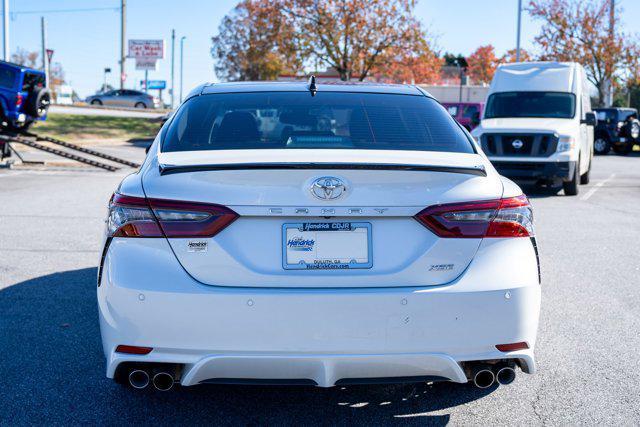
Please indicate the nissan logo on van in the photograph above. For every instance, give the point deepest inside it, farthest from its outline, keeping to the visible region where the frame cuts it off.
(517, 144)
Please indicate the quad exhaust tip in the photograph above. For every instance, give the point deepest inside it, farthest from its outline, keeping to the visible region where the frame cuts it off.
(163, 381)
(484, 378)
(138, 379)
(505, 375)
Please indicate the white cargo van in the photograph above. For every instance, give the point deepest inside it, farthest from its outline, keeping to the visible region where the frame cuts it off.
(538, 124)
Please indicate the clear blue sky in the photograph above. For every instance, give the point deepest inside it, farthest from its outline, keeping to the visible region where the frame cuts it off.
(85, 42)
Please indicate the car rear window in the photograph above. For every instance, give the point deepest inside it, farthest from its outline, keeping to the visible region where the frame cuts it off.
(328, 120)
(32, 81)
(605, 115)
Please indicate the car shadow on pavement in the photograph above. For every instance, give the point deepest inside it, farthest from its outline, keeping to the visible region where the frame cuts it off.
(52, 371)
(538, 192)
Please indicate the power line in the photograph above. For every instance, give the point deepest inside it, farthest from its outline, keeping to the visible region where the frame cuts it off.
(91, 9)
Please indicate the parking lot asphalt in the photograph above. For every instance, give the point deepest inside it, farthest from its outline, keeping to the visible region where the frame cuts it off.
(52, 367)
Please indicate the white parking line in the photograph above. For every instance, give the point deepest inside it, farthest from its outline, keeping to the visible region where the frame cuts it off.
(595, 188)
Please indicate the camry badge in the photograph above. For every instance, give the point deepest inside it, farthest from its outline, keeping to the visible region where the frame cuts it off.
(517, 144)
(328, 188)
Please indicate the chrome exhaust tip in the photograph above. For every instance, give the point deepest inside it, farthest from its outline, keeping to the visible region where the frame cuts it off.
(163, 381)
(138, 379)
(484, 378)
(506, 375)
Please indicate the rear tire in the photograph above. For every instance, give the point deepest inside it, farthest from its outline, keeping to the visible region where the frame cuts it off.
(634, 130)
(571, 187)
(140, 105)
(38, 102)
(601, 145)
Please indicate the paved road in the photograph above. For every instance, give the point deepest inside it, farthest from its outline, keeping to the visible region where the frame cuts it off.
(52, 368)
(114, 112)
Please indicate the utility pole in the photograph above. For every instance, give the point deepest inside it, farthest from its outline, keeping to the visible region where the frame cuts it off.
(518, 32)
(173, 48)
(45, 57)
(181, 63)
(5, 29)
(612, 23)
(123, 32)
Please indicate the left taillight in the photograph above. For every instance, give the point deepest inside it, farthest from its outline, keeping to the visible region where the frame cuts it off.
(509, 217)
(141, 217)
(19, 100)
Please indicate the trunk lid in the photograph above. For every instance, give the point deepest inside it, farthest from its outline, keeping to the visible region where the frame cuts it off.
(271, 190)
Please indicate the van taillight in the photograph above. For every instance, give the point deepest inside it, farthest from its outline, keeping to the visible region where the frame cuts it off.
(510, 217)
(141, 217)
(19, 100)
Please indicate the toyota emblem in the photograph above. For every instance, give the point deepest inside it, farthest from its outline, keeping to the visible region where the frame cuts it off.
(328, 188)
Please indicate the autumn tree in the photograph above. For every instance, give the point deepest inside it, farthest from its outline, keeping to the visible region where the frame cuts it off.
(420, 64)
(351, 36)
(23, 57)
(510, 56)
(32, 60)
(578, 30)
(482, 64)
(254, 43)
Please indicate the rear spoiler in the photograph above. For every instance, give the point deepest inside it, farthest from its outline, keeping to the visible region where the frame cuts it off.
(478, 170)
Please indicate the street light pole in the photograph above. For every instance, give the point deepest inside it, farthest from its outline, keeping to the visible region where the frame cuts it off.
(104, 85)
(173, 51)
(123, 31)
(5, 30)
(612, 32)
(45, 57)
(518, 32)
(181, 63)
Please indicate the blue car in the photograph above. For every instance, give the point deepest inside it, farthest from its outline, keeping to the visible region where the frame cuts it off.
(24, 97)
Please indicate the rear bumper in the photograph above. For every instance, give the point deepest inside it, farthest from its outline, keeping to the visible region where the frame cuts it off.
(321, 336)
(524, 171)
(16, 118)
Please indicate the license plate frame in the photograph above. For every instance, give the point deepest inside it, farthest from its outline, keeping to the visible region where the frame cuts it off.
(327, 227)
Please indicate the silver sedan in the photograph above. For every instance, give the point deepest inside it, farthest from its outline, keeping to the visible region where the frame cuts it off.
(124, 98)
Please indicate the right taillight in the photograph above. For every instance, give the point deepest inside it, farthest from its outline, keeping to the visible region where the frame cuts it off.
(141, 217)
(510, 217)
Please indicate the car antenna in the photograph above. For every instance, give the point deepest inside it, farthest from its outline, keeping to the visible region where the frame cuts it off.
(312, 85)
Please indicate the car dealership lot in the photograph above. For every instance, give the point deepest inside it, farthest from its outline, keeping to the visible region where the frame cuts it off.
(52, 367)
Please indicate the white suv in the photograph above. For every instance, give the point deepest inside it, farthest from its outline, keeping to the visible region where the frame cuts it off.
(538, 124)
(369, 241)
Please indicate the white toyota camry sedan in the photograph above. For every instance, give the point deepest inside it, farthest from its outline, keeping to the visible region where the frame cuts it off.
(329, 234)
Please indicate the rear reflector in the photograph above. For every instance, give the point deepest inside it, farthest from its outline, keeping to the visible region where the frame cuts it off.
(141, 217)
(132, 349)
(513, 346)
(511, 217)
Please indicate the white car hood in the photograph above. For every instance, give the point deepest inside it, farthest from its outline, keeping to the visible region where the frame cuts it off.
(559, 126)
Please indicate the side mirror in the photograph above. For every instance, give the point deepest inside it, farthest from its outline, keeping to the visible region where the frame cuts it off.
(475, 119)
(590, 119)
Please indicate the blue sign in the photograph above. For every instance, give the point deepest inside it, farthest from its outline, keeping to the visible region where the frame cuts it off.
(155, 84)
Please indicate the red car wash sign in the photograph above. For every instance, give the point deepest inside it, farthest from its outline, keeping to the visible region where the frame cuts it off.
(147, 49)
